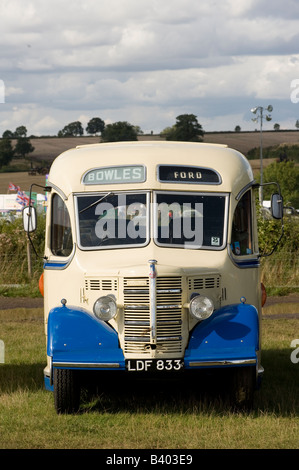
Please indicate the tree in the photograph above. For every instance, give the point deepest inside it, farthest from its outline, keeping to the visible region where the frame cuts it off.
(276, 127)
(6, 152)
(138, 130)
(286, 174)
(23, 146)
(20, 131)
(72, 129)
(95, 125)
(167, 132)
(186, 128)
(297, 124)
(119, 131)
(8, 134)
(237, 129)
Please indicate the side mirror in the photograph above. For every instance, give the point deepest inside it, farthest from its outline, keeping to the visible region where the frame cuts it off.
(29, 219)
(277, 206)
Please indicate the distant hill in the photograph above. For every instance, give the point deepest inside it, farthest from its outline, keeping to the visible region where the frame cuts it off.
(48, 148)
(245, 141)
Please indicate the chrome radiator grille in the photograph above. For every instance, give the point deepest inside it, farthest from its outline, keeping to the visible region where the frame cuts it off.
(137, 321)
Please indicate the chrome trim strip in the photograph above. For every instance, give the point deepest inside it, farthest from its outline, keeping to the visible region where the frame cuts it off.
(152, 276)
(135, 291)
(144, 339)
(138, 339)
(87, 365)
(147, 323)
(136, 307)
(169, 338)
(169, 291)
(58, 190)
(224, 362)
(245, 189)
(167, 307)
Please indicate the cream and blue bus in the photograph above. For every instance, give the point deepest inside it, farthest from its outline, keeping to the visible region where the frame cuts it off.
(151, 265)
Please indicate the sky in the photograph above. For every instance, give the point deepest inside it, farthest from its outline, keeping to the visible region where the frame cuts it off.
(147, 62)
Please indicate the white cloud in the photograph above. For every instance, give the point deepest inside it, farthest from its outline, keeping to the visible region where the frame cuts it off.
(146, 61)
(44, 125)
(2, 91)
(9, 91)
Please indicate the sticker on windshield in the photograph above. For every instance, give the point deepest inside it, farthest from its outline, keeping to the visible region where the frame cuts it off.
(215, 241)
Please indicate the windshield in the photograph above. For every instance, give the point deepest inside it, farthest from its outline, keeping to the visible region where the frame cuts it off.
(113, 220)
(190, 220)
(183, 220)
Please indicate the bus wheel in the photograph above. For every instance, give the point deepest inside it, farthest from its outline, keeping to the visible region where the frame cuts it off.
(243, 383)
(66, 391)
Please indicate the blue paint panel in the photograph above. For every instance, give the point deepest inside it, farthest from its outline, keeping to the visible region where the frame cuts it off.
(74, 335)
(48, 385)
(247, 263)
(55, 264)
(231, 333)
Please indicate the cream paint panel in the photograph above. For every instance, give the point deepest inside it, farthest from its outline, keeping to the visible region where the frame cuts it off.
(68, 283)
(233, 167)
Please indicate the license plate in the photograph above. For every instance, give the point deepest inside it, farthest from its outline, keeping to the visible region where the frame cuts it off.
(152, 365)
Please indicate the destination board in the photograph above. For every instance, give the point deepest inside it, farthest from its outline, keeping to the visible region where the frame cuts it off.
(115, 175)
(187, 174)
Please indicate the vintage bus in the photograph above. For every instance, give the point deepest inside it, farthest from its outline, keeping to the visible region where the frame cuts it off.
(151, 265)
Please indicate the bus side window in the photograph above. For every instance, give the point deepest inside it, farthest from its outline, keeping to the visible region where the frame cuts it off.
(241, 241)
(61, 232)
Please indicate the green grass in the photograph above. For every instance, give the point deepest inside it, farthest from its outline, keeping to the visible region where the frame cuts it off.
(144, 416)
(280, 273)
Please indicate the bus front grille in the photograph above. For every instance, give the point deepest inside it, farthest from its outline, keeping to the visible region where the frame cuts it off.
(138, 323)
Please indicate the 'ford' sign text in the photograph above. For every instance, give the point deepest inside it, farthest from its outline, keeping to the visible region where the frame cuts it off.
(187, 174)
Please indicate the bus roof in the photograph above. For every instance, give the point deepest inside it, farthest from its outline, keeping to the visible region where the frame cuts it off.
(69, 169)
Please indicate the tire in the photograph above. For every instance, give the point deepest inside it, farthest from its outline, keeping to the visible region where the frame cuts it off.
(243, 384)
(66, 391)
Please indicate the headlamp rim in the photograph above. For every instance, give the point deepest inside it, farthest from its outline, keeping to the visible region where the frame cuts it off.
(210, 310)
(112, 301)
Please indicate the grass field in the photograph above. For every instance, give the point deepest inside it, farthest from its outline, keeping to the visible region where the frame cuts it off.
(21, 179)
(143, 416)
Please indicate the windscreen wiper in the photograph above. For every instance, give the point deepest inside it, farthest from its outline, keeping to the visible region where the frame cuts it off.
(96, 202)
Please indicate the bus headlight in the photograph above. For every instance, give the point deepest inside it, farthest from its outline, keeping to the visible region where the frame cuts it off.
(105, 308)
(201, 307)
